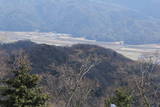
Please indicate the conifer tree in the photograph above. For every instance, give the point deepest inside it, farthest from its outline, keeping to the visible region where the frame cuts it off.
(122, 98)
(22, 89)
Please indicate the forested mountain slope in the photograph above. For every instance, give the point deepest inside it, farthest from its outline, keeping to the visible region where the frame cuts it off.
(99, 71)
(58, 64)
(105, 20)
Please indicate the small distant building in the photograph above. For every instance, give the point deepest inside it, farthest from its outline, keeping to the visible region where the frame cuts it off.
(119, 43)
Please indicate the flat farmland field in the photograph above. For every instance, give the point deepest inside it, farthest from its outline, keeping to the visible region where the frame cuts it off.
(130, 51)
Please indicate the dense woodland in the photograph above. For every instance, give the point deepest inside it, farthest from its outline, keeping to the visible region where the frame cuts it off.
(86, 75)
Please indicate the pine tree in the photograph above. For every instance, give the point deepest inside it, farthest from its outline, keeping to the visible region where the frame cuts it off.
(22, 90)
(122, 98)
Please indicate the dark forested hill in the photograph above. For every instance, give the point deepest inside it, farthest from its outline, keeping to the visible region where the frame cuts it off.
(108, 72)
(105, 20)
(42, 56)
(99, 71)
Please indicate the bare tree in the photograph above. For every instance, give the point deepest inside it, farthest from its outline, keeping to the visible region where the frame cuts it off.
(4, 67)
(71, 83)
(148, 90)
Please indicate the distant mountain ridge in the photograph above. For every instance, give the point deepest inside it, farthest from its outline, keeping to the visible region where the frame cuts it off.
(104, 20)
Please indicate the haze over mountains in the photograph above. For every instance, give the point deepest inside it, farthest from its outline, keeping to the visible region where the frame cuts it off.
(104, 20)
(148, 7)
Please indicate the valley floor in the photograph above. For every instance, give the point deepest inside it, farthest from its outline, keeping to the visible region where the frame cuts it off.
(130, 51)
